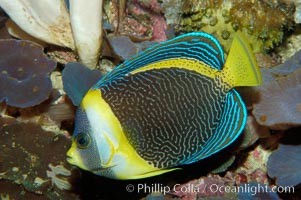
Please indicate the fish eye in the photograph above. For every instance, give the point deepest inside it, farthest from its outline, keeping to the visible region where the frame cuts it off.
(83, 140)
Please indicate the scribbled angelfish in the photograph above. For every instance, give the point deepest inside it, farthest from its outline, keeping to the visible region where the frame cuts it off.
(173, 104)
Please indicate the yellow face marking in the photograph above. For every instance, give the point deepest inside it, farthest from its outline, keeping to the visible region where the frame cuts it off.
(109, 163)
(124, 161)
(93, 100)
(74, 158)
(108, 128)
(183, 63)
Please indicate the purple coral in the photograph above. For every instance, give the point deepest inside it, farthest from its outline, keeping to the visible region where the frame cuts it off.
(123, 46)
(24, 73)
(284, 165)
(279, 106)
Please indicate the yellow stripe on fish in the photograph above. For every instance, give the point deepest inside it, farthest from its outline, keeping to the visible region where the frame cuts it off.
(235, 72)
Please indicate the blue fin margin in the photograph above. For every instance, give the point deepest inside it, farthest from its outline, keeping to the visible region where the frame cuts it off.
(231, 125)
(197, 45)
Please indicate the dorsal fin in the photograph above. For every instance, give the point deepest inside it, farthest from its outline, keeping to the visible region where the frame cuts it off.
(231, 125)
(198, 46)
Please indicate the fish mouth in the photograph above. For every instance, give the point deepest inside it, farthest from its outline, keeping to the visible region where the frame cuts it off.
(70, 160)
(70, 157)
(97, 170)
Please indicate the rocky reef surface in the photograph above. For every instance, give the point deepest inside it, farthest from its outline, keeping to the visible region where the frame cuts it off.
(37, 117)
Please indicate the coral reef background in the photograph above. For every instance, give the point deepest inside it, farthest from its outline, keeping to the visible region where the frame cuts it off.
(37, 117)
(256, 19)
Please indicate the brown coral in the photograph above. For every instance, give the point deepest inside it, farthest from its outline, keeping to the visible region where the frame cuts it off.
(26, 154)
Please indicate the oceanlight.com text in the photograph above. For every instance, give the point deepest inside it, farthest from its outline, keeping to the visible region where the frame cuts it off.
(205, 188)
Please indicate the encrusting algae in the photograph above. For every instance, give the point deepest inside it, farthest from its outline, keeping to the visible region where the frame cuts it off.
(256, 19)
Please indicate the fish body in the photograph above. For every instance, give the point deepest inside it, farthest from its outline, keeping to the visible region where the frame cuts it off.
(171, 105)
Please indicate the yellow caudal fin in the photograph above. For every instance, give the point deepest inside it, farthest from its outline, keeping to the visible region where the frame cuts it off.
(241, 68)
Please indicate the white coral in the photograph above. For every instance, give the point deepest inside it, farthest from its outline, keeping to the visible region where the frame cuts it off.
(49, 21)
(59, 182)
(298, 11)
(87, 29)
(297, 14)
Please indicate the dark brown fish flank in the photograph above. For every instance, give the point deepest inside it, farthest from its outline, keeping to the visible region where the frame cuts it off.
(161, 110)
